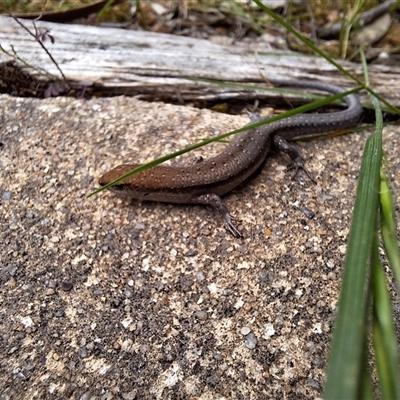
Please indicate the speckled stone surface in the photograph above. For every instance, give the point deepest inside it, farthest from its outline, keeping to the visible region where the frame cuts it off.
(107, 298)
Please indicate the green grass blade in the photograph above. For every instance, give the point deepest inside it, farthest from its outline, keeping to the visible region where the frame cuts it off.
(388, 227)
(347, 23)
(345, 365)
(384, 336)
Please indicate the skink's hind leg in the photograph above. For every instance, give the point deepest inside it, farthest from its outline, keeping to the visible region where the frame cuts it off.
(294, 153)
(216, 201)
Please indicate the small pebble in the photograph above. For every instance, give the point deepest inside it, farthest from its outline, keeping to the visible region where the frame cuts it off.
(308, 213)
(82, 352)
(251, 341)
(21, 376)
(201, 315)
(217, 357)
(200, 276)
(212, 379)
(245, 330)
(59, 314)
(66, 286)
(6, 196)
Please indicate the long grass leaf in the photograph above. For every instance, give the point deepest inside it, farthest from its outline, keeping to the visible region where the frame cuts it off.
(388, 227)
(384, 336)
(345, 365)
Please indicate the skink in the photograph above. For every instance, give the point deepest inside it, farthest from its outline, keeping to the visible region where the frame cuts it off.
(204, 182)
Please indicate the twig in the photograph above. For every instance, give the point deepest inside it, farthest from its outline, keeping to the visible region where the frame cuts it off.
(37, 37)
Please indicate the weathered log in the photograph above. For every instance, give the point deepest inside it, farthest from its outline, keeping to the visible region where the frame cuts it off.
(153, 65)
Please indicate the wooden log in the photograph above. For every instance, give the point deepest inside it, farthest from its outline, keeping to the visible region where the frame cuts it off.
(152, 66)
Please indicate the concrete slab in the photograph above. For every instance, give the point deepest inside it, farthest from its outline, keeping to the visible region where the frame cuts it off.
(107, 298)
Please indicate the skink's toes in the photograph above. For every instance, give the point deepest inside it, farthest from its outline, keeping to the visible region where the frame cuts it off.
(216, 201)
(298, 165)
(232, 229)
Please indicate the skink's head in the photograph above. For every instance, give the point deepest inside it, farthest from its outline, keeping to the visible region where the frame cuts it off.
(116, 173)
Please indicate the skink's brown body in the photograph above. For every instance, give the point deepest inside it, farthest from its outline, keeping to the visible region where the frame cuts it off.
(206, 181)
